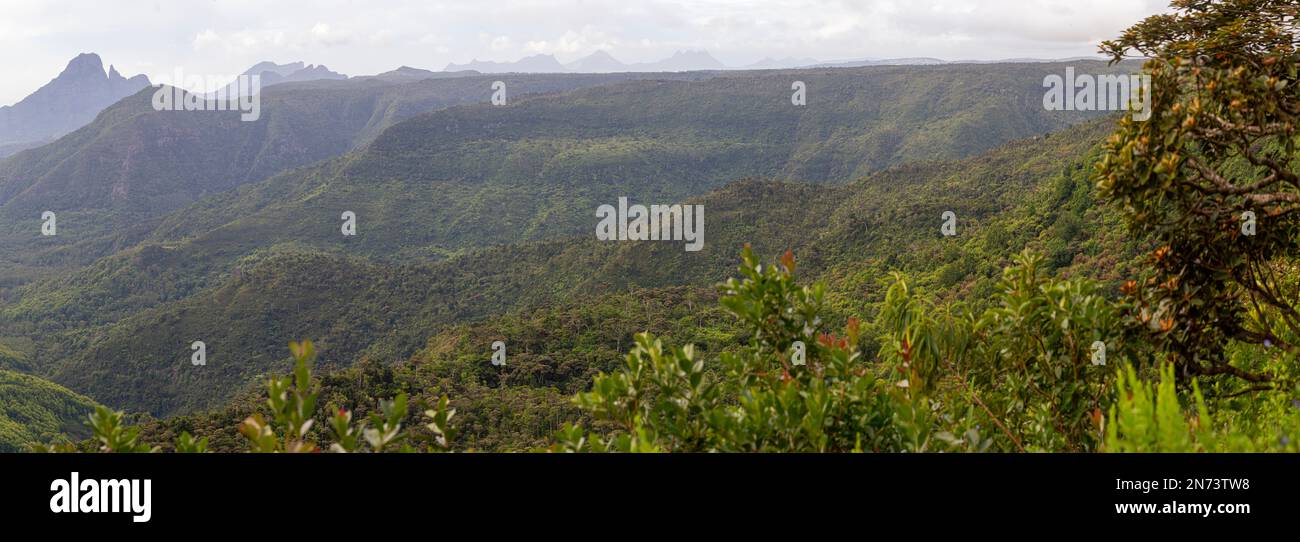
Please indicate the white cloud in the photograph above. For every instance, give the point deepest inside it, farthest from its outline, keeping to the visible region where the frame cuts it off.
(500, 43)
(587, 40)
(239, 41)
(324, 34)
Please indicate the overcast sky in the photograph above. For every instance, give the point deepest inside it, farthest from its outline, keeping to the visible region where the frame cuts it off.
(220, 37)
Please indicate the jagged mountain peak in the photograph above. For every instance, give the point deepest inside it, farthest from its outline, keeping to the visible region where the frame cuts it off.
(67, 102)
(84, 64)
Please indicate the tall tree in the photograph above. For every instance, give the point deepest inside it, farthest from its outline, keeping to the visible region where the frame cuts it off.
(1211, 176)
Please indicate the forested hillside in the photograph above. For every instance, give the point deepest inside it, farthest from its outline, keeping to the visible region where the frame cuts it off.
(420, 196)
(929, 260)
(33, 411)
(111, 181)
(142, 307)
(1023, 194)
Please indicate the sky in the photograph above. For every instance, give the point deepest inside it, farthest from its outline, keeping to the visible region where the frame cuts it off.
(219, 38)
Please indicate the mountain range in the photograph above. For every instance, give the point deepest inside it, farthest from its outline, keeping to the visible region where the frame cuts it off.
(83, 89)
(602, 61)
(466, 209)
(270, 73)
(474, 221)
(598, 62)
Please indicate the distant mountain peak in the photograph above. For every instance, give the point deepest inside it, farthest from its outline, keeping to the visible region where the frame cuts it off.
(682, 61)
(84, 64)
(770, 63)
(598, 62)
(600, 53)
(405, 74)
(67, 102)
(271, 73)
(282, 70)
(538, 63)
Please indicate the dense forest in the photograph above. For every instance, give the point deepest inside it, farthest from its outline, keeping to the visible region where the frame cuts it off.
(1111, 284)
(245, 269)
(34, 410)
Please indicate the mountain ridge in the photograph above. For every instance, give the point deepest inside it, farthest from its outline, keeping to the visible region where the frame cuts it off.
(393, 309)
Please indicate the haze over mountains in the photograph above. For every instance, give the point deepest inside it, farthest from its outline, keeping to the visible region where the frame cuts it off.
(135, 164)
(83, 89)
(602, 61)
(270, 74)
(597, 62)
(66, 103)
